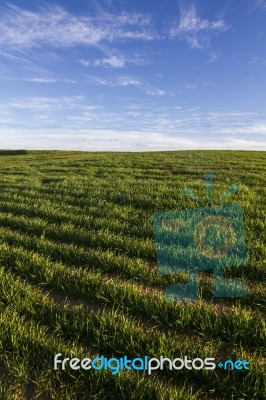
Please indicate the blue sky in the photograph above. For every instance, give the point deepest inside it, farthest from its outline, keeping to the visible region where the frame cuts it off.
(133, 75)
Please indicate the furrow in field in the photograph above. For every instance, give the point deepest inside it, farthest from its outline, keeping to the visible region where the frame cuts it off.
(111, 332)
(33, 350)
(105, 240)
(237, 324)
(122, 266)
(135, 269)
(69, 233)
(119, 219)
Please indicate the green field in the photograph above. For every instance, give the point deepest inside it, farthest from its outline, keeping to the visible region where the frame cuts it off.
(78, 275)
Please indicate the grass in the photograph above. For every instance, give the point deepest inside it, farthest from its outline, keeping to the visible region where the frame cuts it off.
(78, 275)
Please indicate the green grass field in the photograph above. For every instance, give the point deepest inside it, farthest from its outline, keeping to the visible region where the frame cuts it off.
(78, 275)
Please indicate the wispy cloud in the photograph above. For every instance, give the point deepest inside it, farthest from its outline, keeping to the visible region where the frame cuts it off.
(6, 117)
(125, 80)
(144, 117)
(191, 85)
(115, 60)
(198, 84)
(113, 140)
(76, 123)
(53, 104)
(13, 57)
(258, 127)
(259, 4)
(196, 31)
(258, 60)
(41, 80)
(21, 29)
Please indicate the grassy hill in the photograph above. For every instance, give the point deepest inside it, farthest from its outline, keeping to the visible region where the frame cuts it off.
(78, 275)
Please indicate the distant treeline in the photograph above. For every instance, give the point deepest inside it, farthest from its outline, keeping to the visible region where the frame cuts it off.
(12, 152)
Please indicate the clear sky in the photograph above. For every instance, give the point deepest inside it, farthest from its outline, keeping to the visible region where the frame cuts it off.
(133, 74)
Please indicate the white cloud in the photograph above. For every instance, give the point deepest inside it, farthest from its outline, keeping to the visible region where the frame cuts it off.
(128, 81)
(196, 31)
(125, 80)
(14, 57)
(115, 60)
(99, 81)
(41, 80)
(21, 29)
(213, 57)
(53, 104)
(112, 61)
(5, 117)
(259, 4)
(113, 140)
(175, 124)
(190, 85)
(258, 127)
(258, 60)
